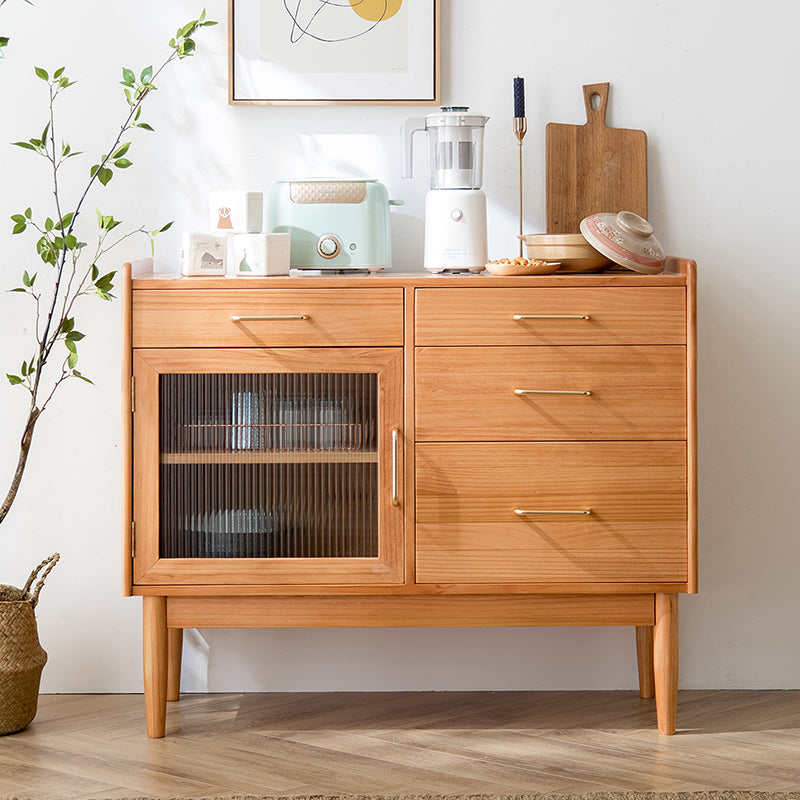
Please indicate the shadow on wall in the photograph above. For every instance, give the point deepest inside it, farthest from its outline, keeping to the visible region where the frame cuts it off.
(748, 440)
(407, 242)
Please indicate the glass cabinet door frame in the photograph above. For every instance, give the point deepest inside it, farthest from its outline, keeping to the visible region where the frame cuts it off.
(150, 569)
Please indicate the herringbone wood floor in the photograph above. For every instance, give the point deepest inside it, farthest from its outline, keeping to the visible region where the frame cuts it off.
(83, 746)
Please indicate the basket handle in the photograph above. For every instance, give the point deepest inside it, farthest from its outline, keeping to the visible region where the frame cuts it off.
(48, 564)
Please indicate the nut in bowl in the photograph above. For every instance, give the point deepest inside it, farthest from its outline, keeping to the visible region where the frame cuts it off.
(522, 266)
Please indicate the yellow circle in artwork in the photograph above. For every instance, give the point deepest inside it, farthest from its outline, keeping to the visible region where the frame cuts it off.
(376, 10)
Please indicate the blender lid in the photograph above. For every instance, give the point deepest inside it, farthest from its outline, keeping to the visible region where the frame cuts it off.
(450, 116)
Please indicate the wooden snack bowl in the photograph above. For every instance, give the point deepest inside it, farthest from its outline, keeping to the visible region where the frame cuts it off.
(514, 267)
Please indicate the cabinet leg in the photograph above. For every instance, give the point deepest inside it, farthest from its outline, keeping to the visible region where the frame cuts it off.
(644, 659)
(154, 629)
(174, 653)
(665, 661)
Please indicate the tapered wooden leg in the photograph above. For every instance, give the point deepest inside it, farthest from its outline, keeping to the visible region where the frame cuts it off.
(174, 653)
(154, 628)
(665, 661)
(644, 658)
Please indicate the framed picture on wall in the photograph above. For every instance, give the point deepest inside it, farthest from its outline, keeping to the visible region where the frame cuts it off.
(319, 52)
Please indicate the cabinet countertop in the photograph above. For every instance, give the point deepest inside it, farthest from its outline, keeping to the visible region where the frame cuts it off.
(672, 276)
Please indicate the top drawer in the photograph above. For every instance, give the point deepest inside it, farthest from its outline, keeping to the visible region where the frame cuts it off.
(267, 317)
(570, 315)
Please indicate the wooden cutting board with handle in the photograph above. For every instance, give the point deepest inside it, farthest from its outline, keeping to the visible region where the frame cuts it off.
(593, 168)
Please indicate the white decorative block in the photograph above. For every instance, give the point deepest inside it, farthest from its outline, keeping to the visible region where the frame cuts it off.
(236, 212)
(261, 253)
(204, 254)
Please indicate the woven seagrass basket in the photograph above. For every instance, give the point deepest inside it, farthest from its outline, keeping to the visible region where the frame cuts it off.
(21, 656)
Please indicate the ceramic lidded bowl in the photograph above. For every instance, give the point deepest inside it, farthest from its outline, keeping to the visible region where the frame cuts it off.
(627, 239)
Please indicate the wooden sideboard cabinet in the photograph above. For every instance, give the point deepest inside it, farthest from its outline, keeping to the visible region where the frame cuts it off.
(410, 450)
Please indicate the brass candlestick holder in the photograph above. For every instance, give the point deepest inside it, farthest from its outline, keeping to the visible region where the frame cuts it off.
(520, 129)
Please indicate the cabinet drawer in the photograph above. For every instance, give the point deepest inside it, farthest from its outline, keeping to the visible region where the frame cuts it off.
(503, 393)
(328, 317)
(592, 315)
(468, 531)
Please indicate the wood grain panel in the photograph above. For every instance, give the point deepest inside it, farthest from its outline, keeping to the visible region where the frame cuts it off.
(617, 315)
(146, 458)
(285, 359)
(214, 590)
(126, 429)
(674, 274)
(690, 269)
(202, 318)
(468, 393)
(279, 571)
(467, 529)
(402, 612)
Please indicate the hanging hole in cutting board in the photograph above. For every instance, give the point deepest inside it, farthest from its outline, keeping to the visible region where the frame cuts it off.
(595, 101)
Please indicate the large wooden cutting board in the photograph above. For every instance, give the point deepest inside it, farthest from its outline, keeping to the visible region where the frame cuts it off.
(593, 168)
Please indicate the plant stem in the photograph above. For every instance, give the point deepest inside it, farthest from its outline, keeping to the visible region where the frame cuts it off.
(53, 314)
(46, 346)
(24, 450)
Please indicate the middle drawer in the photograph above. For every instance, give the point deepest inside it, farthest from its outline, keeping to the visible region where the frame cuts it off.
(550, 393)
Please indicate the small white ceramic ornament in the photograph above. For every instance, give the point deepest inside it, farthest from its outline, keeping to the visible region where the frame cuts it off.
(261, 253)
(236, 212)
(204, 254)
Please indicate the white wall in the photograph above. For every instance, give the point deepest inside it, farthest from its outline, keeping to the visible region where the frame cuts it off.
(710, 83)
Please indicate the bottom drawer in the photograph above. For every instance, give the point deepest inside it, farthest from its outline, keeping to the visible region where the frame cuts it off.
(603, 512)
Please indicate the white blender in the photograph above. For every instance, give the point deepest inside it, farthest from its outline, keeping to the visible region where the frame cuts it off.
(455, 206)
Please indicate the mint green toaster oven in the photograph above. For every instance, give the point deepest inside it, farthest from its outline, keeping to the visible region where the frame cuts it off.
(333, 224)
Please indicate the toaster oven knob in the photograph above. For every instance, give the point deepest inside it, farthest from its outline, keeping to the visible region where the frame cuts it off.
(329, 246)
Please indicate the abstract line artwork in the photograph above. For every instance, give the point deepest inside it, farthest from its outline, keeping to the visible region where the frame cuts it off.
(308, 18)
(333, 51)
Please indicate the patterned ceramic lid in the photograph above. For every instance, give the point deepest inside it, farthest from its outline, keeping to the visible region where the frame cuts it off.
(627, 239)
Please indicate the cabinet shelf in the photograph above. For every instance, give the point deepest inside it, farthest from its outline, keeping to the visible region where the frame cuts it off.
(275, 457)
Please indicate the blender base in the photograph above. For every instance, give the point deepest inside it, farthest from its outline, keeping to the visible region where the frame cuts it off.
(455, 230)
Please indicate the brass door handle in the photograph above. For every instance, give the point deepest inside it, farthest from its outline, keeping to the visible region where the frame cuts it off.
(267, 317)
(549, 391)
(519, 317)
(524, 512)
(395, 467)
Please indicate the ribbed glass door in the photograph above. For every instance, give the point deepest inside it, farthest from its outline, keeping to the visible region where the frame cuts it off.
(259, 466)
(275, 465)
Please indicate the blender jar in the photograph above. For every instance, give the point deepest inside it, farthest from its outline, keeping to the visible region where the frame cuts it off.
(455, 149)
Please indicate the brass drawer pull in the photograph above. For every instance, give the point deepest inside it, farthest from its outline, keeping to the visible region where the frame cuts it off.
(548, 391)
(519, 317)
(268, 318)
(395, 448)
(523, 512)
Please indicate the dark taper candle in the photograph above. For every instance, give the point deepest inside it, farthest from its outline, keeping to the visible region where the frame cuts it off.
(519, 97)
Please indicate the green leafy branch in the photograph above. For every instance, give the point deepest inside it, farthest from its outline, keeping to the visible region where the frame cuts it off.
(58, 247)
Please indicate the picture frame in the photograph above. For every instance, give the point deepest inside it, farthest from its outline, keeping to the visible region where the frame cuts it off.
(315, 52)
